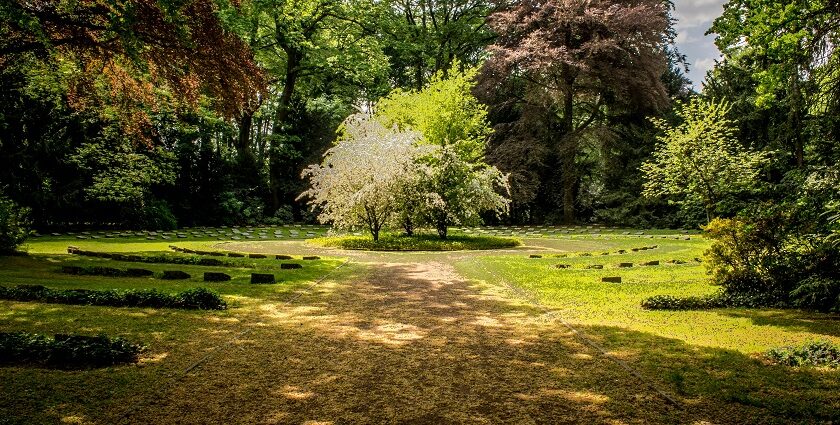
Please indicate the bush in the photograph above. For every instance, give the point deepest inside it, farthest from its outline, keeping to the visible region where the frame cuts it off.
(759, 264)
(66, 351)
(816, 353)
(157, 215)
(199, 298)
(817, 293)
(14, 225)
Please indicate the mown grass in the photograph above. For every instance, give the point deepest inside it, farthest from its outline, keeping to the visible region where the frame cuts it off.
(707, 358)
(420, 242)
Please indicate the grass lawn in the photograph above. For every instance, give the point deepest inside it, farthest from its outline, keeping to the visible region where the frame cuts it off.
(175, 339)
(396, 336)
(706, 358)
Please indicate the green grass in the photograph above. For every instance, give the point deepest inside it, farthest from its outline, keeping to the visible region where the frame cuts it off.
(703, 356)
(420, 242)
(175, 338)
(711, 361)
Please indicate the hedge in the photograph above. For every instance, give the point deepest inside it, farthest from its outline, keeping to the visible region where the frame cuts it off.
(191, 299)
(66, 351)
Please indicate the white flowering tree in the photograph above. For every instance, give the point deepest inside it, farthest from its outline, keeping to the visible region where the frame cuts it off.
(457, 191)
(356, 183)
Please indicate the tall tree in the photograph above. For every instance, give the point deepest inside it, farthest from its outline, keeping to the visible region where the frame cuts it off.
(573, 61)
(113, 56)
(426, 36)
(788, 53)
(309, 48)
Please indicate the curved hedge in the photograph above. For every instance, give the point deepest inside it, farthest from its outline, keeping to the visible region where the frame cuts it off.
(191, 299)
(390, 242)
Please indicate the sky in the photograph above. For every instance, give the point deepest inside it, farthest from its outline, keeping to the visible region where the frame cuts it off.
(694, 17)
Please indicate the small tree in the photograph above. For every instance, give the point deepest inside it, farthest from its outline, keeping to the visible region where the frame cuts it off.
(456, 191)
(14, 225)
(455, 185)
(357, 181)
(700, 158)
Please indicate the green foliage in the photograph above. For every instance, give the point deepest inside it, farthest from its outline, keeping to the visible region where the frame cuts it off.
(393, 242)
(192, 299)
(122, 173)
(66, 351)
(157, 214)
(758, 262)
(444, 112)
(14, 225)
(699, 160)
(814, 353)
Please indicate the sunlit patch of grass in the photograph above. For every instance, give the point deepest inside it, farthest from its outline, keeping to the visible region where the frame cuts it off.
(708, 358)
(422, 242)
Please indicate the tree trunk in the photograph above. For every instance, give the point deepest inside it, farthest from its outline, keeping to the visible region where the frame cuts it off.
(568, 152)
(442, 229)
(248, 164)
(568, 196)
(280, 116)
(408, 226)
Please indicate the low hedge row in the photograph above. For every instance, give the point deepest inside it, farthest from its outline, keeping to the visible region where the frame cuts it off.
(105, 271)
(66, 351)
(670, 302)
(193, 260)
(191, 299)
(721, 299)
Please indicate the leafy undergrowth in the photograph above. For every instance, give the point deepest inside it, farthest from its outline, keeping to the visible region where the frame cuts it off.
(814, 353)
(392, 242)
(66, 351)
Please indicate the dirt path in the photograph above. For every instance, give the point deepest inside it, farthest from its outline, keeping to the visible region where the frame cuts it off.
(407, 343)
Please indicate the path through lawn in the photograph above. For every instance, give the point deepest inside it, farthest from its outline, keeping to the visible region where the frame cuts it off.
(406, 343)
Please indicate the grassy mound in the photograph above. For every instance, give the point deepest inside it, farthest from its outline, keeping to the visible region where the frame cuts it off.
(391, 242)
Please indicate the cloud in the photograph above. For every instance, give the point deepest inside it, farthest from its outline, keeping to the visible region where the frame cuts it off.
(694, 18)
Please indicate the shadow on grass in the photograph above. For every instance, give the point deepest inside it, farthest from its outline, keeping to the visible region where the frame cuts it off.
(416, 344)
(796, 320)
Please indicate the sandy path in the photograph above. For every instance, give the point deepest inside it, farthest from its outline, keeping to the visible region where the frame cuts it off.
(407, 343)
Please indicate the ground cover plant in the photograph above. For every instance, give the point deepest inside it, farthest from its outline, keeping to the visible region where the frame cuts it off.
(66, 351)
(815, 353)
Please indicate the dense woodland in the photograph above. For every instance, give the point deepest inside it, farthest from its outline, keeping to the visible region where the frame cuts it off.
(164, 113)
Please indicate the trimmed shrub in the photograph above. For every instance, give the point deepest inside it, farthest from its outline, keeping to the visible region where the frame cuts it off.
(175, 275)
(216, 277)
(262, 278)
(132, 298)
(200, 299)
(14, 225)
(282, 257)
(816, 353)
(289, 266)
(66, 351)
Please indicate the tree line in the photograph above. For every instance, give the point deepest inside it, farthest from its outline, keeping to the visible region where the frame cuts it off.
(163, 113)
